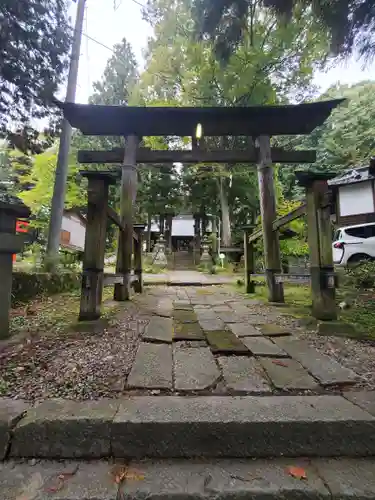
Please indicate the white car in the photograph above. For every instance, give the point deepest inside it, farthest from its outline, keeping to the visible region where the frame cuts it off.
(353, 244)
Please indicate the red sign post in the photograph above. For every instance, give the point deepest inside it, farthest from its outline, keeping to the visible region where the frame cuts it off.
(21, 227)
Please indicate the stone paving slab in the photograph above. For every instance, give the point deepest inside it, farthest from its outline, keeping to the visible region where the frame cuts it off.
(11, 411)
(204, 314)
(183, 344)
(237, 479)
(257, 319)
(152, 367)
(164, 306)
(324, 368)
(221, 479)
(222, 308)
(271, 330)
(288, 374)
(225, 342)
(262, 346)
(348, 478)
(158, 330)
(244, 375)
(182, 305)
(59, 428)
(240, 308)
(83, 480)
(209, 325)
(194, 369)
(253, 426)
(364, 399)
(188, 331)
(231, 317)
(184, 316)
(244, 330)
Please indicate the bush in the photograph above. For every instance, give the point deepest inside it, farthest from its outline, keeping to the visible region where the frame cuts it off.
(28, 286)
(363, 275)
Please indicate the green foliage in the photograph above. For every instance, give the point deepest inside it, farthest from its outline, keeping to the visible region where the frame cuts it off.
(34, 44)
(345, 140)
(41, 178)
(296, 246)
(362, 276)
(119, 77)
(350, 23)
(28, 286)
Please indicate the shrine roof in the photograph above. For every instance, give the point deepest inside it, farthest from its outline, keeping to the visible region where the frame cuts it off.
(92, 119)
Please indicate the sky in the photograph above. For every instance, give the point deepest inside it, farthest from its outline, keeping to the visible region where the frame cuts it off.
(108, 21)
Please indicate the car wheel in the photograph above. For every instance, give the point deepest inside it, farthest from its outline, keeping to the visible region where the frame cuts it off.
(358, 259)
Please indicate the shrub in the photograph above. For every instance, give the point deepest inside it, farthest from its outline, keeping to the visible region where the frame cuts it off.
(363, 275)
(28, 286)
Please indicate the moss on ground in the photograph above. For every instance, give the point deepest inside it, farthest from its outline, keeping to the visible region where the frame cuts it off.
(224, 341)
(187, 331)
(54, 315)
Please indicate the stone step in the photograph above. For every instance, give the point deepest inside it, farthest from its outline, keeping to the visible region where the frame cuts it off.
(181, 427)
(350, 479)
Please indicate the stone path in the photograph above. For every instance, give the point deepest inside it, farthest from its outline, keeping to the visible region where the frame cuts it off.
(213, 340)
(187, 277)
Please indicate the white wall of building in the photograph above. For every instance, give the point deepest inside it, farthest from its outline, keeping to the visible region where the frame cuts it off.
(74, 225)
(356, 199)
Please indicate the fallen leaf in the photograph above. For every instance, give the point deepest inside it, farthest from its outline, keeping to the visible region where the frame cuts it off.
(61, 478)
(125, 473)
(54, 489)
(297, 472)
(279, 363)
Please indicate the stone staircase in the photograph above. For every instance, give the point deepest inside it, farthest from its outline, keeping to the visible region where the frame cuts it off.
(195, 448)
(181, 260)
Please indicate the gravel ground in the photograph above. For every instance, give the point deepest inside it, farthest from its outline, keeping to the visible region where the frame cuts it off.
(76, 366)
(358, 355)
(355, 354)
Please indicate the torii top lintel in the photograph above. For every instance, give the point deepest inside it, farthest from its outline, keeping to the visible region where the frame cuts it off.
(92, 119)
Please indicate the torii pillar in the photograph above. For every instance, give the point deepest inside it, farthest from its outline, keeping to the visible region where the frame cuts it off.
(125, 240)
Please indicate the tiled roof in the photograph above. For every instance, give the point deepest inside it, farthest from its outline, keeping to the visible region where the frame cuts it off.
(352, 176)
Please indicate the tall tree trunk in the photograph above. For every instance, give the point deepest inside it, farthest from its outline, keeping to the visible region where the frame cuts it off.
(169, 221)
(204, 223)
(214, 236)
(162, 221)
(197, 231)
(226, 233)
(148, 237)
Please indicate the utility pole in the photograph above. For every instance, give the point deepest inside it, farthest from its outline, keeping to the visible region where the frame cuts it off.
(59, 190)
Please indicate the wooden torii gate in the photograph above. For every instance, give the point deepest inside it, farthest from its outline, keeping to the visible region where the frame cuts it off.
(258, 122)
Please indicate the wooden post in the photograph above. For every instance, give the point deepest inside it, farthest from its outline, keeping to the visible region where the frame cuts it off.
(95, 238)
(138, 249)
(249, 258)
(267, 199)
(319, 234)
(320, 243)
(10, 243)
(125, 240)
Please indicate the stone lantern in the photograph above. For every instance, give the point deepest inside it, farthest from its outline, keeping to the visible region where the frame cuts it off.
(11, 209)
(159, 258)
(205, 257)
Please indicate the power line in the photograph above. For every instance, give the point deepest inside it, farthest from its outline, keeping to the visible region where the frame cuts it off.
(139, 3)
(97, 41)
